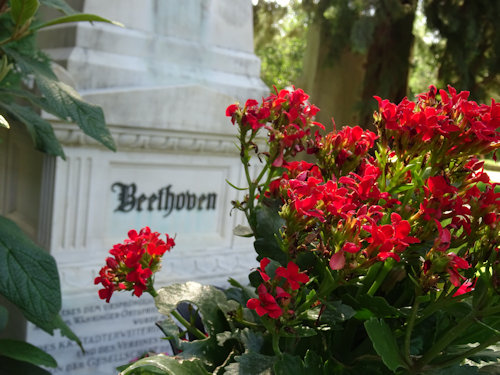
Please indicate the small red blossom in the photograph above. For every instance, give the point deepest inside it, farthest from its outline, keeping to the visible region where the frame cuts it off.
(265, 304)
(292, 275)
(262, 269)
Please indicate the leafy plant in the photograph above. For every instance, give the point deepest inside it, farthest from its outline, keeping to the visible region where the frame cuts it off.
(379, 257)
(28, 274)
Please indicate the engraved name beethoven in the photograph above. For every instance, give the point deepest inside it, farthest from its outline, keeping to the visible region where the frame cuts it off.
(163, 200)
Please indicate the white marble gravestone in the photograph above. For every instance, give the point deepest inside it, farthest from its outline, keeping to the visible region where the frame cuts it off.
(163, 82)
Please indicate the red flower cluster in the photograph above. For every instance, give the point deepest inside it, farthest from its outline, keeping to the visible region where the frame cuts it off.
(340, 152)
(452, 124)
(354, 206)
(274, 300)
(286, 116)
(133, 263)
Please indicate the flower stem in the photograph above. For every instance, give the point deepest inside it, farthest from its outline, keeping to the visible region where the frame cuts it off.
(195, 331)
(410, 325)
(445, 340)
(388, 264)
(276, 344)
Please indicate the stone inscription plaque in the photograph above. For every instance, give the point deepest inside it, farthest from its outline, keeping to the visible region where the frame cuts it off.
(112, 334)
(191, 202)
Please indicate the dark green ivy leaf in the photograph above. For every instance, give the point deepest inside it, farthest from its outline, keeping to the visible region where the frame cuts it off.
(62, 100)
(25, 352)
(28, 275)
(11, 366)
(40, 130)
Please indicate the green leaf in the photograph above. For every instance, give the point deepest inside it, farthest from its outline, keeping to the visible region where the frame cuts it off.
(4, 317)
(299, 331)
(290, 364)
(251, 340)
(384, 343)
(4, 123)
(28, 275)
(458, 370)
(250, 363)
(205, 297)
(377, 305)
(31, 64)
(336, 312)
(58, 323)
(41, 131)
(162, 364)
(63, 101)
(242, 231)
(268, 226)
(59, 5)
(13, 367)
(79, 17)
(22, 11)
(23, 351)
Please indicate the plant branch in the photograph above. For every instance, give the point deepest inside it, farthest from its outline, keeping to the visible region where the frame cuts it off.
(195, 331)
(410, 325)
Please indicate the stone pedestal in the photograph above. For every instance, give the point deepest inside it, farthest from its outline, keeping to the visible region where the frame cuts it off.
(163, 82)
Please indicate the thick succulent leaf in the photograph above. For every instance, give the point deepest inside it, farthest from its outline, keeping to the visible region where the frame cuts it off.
(251, 340)
(384, 343)
(251, 363)
(205, 297)
(162, 364)
(28, 275)
(268, 226)
(336, 312)
(378, 306)
(41, 131)
(23, 351)
(22, 11)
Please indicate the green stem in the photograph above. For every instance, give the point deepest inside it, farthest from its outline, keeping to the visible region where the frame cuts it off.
(410, 325)
(195, 331)
(276, 344)
(445, 340)
(460, 357)
(381, 277)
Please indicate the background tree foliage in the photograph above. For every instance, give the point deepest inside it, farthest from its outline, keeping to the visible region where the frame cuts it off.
(342, 52)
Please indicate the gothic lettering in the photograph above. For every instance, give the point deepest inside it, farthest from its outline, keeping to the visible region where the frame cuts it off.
(165, 199)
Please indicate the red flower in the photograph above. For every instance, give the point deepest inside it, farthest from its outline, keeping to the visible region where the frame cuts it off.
(292, 275)
(133, 263)
(265, 304)
(466, 287)
(262, 269)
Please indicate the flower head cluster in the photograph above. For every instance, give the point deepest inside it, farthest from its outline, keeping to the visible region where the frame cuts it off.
(452, 124)
(287, 117)
(339, 152)
(344, 217)
(276, 294)
(133, 263)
